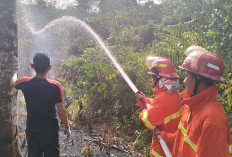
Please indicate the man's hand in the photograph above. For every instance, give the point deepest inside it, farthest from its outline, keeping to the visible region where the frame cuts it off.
(68, 132)
(157, 132)
(139, 96)
(142, 98)
(15, 68)
(15, 64)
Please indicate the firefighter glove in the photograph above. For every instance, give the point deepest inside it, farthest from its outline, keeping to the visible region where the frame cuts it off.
(141, 100)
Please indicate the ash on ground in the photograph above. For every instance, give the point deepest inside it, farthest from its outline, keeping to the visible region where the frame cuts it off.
(82, 143)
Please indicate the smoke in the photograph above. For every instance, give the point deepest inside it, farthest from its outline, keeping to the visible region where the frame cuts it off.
(63, 4)
(50, 41)
(59, 4)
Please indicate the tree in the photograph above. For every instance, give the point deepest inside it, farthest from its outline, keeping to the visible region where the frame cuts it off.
(8, 44)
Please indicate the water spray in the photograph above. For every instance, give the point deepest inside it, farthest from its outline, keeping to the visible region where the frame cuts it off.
(97, 37)
(124, 75)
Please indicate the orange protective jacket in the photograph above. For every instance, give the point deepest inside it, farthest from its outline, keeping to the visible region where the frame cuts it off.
(164, 111)
(203, 130)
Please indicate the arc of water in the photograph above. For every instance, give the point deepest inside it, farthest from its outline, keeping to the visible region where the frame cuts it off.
(96, 37)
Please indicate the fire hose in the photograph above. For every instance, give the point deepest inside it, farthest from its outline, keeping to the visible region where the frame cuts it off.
(126, 78)
(135, 90)
(161, 140)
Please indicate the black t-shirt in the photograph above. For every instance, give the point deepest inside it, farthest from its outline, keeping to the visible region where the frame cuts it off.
(41, 95)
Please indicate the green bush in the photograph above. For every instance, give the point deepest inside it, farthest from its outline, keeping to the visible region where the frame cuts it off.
(92, 79)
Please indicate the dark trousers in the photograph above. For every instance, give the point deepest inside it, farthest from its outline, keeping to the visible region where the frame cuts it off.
(43, 143)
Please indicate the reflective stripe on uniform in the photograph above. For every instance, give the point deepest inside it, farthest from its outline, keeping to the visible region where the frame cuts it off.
(230, 148)
(186, 138)
(154, 153)
(171, 117)
(146, 121)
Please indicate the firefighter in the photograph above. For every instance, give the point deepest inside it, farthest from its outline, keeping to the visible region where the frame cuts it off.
(203, 130)
(163, 111)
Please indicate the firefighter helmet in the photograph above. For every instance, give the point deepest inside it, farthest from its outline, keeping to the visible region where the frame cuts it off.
(194, 48)
(163, 67)
(206, 64)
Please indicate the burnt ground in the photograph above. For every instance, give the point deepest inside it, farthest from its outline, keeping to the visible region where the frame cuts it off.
(84, 142)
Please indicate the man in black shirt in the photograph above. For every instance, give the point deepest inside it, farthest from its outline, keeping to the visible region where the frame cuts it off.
(43, 101)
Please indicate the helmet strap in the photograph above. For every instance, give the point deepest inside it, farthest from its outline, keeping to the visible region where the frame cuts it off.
(197, 82)
(156, 79)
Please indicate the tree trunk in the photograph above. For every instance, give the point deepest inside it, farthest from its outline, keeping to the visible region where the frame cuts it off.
(8, 105)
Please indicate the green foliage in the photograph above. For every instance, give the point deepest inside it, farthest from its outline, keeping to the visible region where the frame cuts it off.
(132, 33)
(226, 97)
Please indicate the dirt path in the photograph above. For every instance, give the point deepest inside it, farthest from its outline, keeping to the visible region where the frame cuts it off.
(83, 142)
(80, 140)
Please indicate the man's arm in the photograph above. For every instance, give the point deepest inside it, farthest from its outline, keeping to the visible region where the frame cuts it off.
(15, 68)
(13, 79)
(62, 114)
(63, 117)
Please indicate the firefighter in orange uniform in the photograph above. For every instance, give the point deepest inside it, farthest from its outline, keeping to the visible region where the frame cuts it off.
(203, 130)
(164, 110)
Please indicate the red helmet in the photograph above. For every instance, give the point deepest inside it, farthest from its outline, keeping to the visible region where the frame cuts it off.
(206, 64)
(163, 67)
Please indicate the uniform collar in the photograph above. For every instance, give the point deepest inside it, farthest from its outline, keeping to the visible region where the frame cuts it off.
(157, 90)
(206, 95)
(38, 78)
